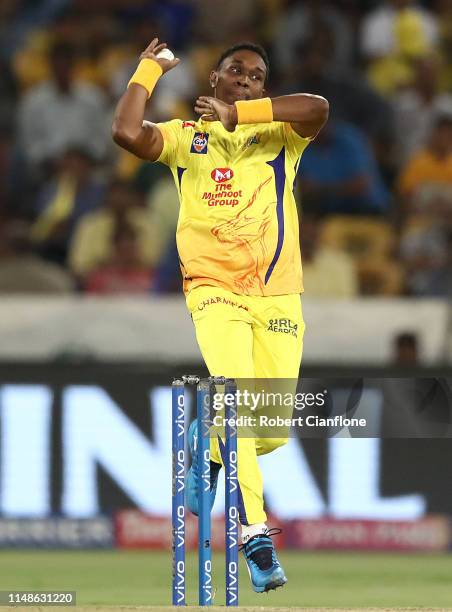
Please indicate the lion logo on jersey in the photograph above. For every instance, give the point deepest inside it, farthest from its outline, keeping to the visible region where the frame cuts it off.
(247, 232)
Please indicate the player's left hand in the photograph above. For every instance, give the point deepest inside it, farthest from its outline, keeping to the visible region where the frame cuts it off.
(212, 109)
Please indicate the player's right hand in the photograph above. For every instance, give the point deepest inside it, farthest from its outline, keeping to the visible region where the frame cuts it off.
(151, 53)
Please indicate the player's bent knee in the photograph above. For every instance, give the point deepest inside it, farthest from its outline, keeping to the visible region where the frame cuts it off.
(267, 445)
(277, 442)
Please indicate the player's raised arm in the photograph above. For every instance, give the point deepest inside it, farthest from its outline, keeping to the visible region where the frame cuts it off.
(307, 113)
(142, 139)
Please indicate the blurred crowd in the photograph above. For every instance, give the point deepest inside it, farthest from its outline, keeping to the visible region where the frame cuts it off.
(374, 189)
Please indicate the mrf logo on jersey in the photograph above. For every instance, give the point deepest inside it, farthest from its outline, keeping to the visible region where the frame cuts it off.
(199, 143)
(221, 175)
(223, 194)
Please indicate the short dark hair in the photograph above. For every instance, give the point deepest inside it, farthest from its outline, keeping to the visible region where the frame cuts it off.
(247, 46)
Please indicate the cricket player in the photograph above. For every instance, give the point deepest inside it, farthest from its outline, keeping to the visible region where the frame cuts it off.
(238, 242)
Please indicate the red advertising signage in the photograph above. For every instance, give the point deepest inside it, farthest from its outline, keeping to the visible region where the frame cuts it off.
(427, 534)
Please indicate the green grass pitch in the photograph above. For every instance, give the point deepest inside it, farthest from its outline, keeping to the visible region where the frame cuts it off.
(334, 580)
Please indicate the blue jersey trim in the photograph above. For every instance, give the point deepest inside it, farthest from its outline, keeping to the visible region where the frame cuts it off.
(278, 165)
(180, 172)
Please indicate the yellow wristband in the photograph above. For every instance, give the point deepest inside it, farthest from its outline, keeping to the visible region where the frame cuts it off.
(254, 111)
(147, 74)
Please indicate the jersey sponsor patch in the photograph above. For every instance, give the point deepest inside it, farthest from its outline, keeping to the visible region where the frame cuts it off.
(199, 143)
(283, 326)
(220, 300)
(221, 175)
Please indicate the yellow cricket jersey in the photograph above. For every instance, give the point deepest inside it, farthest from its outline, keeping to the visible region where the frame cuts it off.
(238, 222)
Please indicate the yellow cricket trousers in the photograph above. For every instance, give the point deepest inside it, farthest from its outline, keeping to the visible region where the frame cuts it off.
(248, 337)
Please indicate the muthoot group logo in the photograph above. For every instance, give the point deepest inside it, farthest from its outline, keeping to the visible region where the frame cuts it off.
(253, 400)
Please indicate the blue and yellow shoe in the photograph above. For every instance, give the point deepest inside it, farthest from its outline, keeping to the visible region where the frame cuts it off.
(191, 481)
(264, 568)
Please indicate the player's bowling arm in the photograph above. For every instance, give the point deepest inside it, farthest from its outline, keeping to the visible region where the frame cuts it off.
(306, 113)
(130, 132)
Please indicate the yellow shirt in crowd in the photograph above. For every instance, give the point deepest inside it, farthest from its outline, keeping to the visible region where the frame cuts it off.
(425, 168)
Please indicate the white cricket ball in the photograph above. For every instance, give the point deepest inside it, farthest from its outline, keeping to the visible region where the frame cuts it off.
(166, 54)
